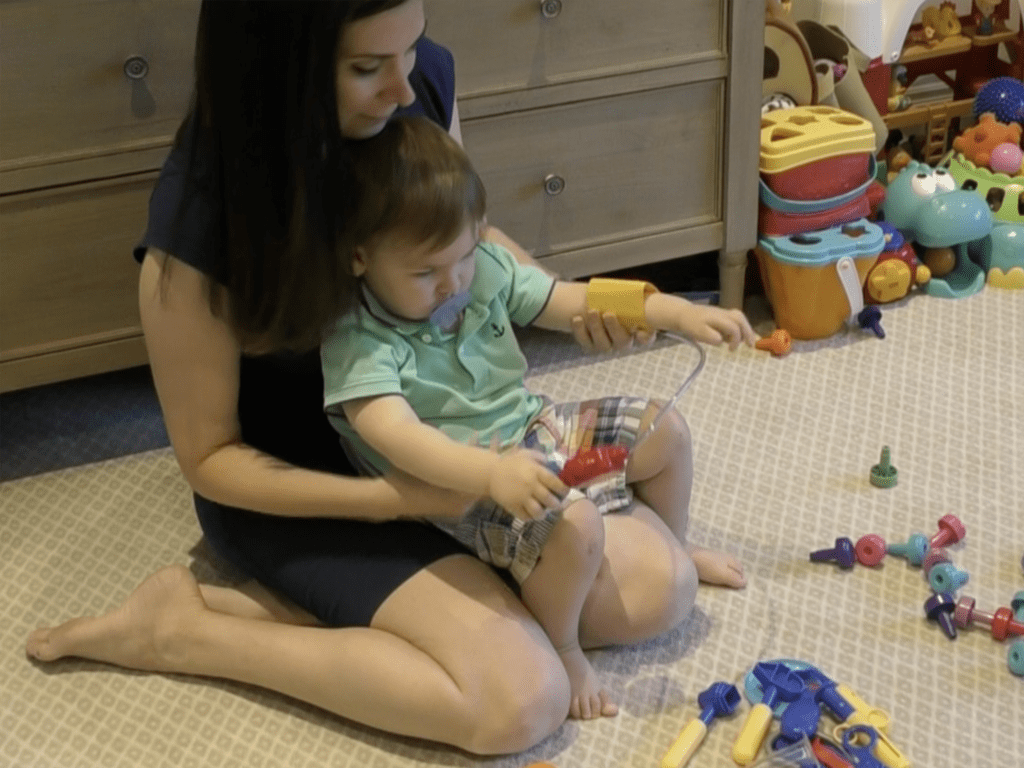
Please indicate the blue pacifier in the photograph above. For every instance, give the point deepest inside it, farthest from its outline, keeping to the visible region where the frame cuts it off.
(448, 312)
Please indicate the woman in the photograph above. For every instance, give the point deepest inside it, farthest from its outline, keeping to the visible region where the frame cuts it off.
(376, 618)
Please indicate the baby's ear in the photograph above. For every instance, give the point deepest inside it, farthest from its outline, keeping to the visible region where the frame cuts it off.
(359, 261)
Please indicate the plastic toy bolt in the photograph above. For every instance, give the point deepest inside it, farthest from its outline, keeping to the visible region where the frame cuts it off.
(914, 549)
(934, 557)
(842, 554)
(946, 577)
(884, 474)
(1000, 623)
(870, 318)
(870, 549)
(951, 530)
(1015, 657)
(779, 343)
(779, 683)
(1017, 604)
(939, 607)
(718, 700)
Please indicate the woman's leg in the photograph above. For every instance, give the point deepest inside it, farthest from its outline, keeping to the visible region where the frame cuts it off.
(554, 592)
(451, 655)
(661, 472)
(646, 585)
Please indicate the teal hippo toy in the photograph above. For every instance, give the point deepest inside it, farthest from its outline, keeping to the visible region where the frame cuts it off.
(930, 210)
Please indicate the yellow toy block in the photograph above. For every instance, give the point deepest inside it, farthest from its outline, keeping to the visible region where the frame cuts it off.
(623, 298)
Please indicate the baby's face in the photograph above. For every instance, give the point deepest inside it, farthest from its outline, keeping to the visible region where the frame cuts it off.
(411, 281)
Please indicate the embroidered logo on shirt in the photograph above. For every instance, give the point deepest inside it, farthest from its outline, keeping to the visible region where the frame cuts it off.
(499, 331)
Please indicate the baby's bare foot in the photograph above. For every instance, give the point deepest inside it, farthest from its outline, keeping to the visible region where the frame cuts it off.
(720, 568)
(589, 699)
(139, 634)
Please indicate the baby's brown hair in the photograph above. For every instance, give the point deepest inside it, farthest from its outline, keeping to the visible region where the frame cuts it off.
(413, 180)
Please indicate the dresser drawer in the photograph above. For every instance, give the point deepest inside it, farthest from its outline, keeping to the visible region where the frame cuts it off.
(66, 96)
(67, 278)
(617, 167)
(509, 44)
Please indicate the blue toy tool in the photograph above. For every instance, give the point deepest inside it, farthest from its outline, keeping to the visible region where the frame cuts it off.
(778, 682)
(718, 700)
(863, 754)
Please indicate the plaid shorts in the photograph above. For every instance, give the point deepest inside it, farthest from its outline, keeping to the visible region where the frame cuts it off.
(559, 431)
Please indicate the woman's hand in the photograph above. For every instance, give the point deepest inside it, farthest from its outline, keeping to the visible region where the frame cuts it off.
(420, 499)
(522, 485)
(603, 333)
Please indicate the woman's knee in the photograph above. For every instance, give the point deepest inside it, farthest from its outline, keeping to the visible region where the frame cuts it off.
(517, 705)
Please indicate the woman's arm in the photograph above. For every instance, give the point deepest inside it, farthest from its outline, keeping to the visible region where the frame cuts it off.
(514, 479)
(195, 360)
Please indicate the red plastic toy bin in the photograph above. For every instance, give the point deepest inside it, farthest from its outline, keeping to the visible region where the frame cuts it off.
(815, 152)
(819, 179)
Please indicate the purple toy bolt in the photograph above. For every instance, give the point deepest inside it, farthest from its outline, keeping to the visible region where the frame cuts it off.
(939, 607)
(913, 550)
(951, 530)
(946, 577)
(842, 554)
(870, 549)
(1001, 623)
(870, 318)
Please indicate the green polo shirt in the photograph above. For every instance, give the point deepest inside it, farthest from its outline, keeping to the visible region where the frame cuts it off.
(468, 383)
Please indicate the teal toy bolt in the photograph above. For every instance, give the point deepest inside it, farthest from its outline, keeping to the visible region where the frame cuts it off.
(883, 474)
(913, 550)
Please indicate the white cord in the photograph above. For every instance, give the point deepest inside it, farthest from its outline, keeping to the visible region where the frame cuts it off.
(679, 392)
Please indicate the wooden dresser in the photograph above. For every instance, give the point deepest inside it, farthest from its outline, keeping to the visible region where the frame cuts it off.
(609, 135)
(91, 93)
(612, 134)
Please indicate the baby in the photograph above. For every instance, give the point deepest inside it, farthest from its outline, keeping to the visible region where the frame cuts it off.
(427, 370)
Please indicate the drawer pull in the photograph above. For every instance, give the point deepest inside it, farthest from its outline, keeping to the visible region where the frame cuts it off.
(136, 67)
(550, 8)
(553, 184)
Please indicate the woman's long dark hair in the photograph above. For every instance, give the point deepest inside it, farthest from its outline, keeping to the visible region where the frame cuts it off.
(265, 116)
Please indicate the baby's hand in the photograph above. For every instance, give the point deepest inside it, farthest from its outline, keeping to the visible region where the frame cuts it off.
(715, 325)
(524, 486)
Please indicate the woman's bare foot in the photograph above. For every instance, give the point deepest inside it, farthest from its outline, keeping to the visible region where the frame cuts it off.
(589, 699)
(719, 568)
(139, 635)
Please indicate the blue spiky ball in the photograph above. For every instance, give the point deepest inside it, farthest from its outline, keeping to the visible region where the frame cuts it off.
(1004, 96)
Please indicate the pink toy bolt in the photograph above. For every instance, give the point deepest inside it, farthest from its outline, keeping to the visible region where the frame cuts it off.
(870, 549)
(1001, 623)
(842, 554)
(951, 530)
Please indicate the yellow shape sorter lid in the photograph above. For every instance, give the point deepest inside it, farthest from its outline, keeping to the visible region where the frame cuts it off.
(799, 135)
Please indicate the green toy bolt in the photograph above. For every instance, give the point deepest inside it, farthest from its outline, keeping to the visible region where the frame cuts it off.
(883, 474)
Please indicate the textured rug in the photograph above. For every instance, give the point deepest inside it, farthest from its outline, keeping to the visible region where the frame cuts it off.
(783, 452)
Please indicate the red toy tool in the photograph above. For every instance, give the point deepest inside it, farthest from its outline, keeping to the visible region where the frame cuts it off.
(590, 463)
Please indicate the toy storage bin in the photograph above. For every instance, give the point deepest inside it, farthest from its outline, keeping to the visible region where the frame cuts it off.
(815, 152)
(815, 280)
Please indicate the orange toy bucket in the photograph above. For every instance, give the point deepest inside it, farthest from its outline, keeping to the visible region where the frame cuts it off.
(814, 281)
